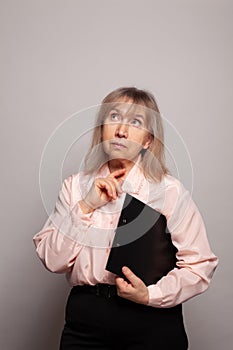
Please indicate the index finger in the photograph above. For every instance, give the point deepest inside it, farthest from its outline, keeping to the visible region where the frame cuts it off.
(117, 173)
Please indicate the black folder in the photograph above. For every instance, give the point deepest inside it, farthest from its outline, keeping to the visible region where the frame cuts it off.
(142, 242)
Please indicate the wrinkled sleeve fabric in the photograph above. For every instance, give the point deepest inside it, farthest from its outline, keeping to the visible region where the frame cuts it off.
(58, 243)
(195, 260)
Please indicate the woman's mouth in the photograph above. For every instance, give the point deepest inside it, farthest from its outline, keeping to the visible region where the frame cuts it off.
(118, 145)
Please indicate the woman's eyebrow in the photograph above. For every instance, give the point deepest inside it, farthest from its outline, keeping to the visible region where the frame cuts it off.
(115, 110)
(140, 116)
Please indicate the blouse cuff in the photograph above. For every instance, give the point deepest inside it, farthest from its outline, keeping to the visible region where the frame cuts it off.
(155, 296)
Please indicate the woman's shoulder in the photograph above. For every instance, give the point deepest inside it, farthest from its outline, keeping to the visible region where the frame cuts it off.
(171, 185)
(167, 182)
(171, 181)
(175, 190)
(168, 191)
(77, 179)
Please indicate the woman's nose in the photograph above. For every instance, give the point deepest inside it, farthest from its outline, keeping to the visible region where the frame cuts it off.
(122, 130)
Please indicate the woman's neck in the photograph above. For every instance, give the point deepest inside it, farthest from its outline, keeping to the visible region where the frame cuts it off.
(115, 164)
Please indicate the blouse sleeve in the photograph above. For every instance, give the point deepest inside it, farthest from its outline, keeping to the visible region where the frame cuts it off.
(195, 260)
(59, 242)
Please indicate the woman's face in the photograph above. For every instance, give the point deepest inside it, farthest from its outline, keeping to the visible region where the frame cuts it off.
(124, 132)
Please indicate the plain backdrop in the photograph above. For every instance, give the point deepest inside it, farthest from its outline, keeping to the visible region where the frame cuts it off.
(61, 57)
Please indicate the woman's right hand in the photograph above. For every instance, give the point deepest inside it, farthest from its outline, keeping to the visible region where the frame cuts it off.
(103, 190)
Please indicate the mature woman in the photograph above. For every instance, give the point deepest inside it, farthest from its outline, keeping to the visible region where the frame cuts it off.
(105, 311)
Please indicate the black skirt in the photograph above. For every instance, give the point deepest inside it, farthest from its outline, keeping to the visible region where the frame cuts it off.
(108, 322)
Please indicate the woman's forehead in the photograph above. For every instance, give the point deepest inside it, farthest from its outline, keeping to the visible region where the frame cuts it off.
(128, 107)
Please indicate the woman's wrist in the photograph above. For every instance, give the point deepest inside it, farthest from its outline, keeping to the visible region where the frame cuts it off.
(86, 209)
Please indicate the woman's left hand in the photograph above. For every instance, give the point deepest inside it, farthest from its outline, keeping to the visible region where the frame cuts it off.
(135, 291)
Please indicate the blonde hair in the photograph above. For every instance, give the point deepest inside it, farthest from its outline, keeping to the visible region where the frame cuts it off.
(153, 158)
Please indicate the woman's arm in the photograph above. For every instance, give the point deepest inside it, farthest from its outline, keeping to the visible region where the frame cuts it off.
(63, 235)
(58, 243)
(195, 261)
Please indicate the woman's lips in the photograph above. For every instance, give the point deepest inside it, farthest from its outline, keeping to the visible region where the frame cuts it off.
(118, 145)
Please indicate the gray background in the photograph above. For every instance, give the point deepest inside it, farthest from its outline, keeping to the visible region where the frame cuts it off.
(59, 57)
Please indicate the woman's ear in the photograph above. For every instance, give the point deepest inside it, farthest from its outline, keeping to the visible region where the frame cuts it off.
(148, 142)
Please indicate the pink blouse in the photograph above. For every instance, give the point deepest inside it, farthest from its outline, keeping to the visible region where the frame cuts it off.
(78, 244)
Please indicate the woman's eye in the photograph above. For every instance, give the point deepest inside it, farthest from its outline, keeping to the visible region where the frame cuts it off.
(114, 117)
(136, 122)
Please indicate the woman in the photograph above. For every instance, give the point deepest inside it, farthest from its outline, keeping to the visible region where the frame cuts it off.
(105, 311)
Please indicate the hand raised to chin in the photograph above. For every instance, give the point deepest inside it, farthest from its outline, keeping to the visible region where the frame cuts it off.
(103, 190)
